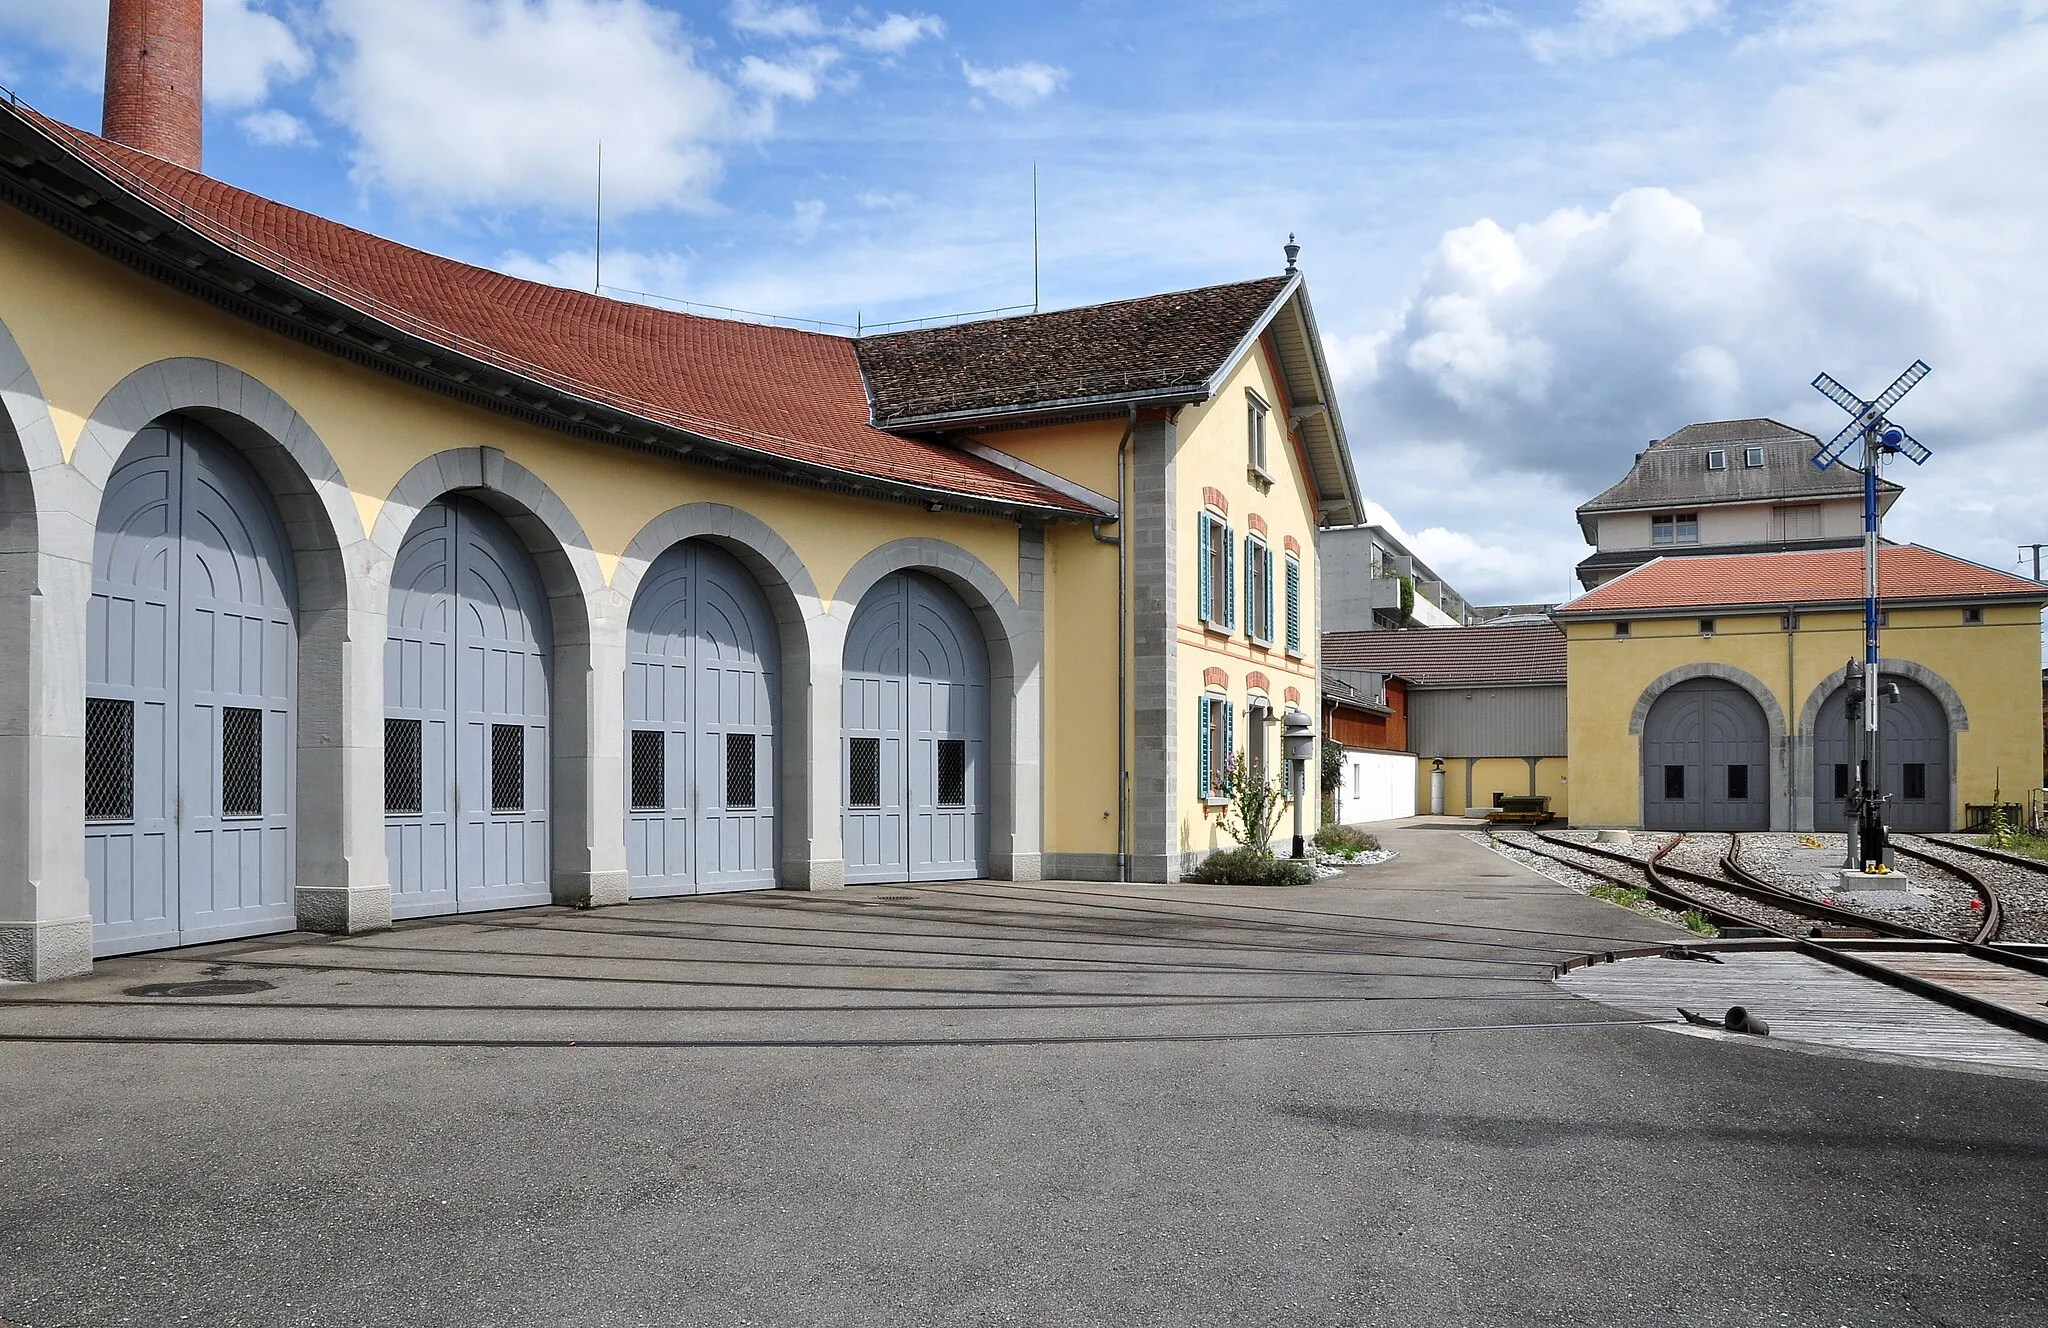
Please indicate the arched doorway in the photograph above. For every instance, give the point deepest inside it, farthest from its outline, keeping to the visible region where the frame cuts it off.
(191, 687)
(1916, 759)
(1706, 759)
(701, 683)
(914, 744)
(467, 662)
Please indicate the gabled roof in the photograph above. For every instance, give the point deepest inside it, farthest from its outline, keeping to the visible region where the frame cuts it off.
(1905, 573)
(1159, 350)
(1516, 654)
(787, 404)
(1166, 346)
(1673, 472)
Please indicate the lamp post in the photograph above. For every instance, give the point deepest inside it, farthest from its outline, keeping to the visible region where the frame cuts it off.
(1298, 737)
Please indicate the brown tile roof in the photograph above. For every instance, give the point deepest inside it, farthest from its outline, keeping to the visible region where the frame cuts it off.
(1519, 653)
(777, 391)
(1832, 576)
(1155, 345)
(1673, 472)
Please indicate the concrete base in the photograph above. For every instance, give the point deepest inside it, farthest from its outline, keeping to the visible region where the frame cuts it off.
(1478, 813)
(1858, 882)
(1613, 837)
(812, 874)
(41, 951)
(342, 910)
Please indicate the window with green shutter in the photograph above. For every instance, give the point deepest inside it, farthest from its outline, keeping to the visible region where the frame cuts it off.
(1293, 606)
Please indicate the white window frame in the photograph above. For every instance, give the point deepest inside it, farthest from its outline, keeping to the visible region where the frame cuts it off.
(1753, 457)
(1674, 526)
(1222, 574)
(1216, 719)
(1256, 453)
(1717, 459)
(1258, 589)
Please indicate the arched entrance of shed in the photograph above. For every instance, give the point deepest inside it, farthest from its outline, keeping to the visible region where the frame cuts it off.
(191, 691)
(702, 661)
(1706, 759)
(467, 662)
(1915, 752)
(914, 747)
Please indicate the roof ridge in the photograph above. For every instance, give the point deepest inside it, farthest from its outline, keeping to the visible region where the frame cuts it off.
(1076, 308)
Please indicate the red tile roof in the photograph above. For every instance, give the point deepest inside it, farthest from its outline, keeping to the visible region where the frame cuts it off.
(1126, 348)
(1828, 576)
(1517, 654)
(786, 393)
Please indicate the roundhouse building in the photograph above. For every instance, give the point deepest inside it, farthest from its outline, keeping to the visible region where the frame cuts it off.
(341, 582)
(1710, 692)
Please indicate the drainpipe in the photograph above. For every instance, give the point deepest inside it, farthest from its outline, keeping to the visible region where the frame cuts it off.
(1123, 705)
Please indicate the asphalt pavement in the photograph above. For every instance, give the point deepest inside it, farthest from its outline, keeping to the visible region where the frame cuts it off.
(1358, 1102)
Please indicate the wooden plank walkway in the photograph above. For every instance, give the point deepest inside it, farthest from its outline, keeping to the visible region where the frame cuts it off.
(1805, 1000)
(2014, 988)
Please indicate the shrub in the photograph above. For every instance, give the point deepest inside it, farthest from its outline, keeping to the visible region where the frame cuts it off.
(1344, 839)
(1255, 805)
(1628, 896)
(1696, 921)
(1248, 866)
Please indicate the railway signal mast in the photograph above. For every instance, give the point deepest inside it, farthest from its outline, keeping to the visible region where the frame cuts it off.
(1881, 439)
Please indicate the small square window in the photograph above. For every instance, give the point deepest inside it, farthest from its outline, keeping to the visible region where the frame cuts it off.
(650, 770)
(740, 784)
(1915, 781)
(1753, 457)
(1841, 781)
(241, 761)
(404, 766)
(1674, 782)
(1973, 615)
(508, 767)
(1717, 460)
(1738, 783)
(1621, 629)
(109, 759)
(864, 772)
(952, 772)
(1706, 627)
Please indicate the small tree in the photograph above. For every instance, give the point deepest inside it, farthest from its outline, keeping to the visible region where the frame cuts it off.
(1255, 805)
(1333, 778)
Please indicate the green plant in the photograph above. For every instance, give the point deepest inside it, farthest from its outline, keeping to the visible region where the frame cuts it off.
(1333, 766)
(1696, 921)
(1628, 896)
(1407, 599)
(1254, 805)
(2003, 834)
(1248, 866)
(1343, 839)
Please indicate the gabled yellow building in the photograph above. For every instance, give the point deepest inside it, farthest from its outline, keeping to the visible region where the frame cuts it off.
(1708, 692)
(341, 582)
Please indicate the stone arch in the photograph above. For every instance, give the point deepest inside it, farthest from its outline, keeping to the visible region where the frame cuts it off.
(793, 599)
(338, 871)
(45, 930)
(1014, 634)
(1952, 707)
(588, 834)
(1784, 802)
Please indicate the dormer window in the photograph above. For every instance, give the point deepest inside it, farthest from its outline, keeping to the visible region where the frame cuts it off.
(1717, 459)
(1675, 528)
(1753, 457)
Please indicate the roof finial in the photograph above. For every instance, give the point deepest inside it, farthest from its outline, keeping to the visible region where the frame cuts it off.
(1293, 251)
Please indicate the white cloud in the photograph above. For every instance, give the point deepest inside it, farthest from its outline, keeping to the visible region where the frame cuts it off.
(625, 270)
(1604, 28)
(767, 20)
(277, 129)
(249, 50)
(808, 214)
(501, 103)
(895, 32)
(1015, 85)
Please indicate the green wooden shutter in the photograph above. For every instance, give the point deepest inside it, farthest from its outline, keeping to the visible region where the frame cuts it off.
(1202, 742)
(1229, 732)
(1294, 606)
(1266, 597)
(1229, 579)
(1202, 562)
(1251, 605)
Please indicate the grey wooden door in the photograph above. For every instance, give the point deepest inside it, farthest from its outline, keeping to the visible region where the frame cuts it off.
(1706, 754)
(191, 674)
(466, 727)
(1916, 761)
(914, 749)
(701, 665)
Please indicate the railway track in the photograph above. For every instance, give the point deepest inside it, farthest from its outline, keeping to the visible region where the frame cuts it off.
(2000, 986)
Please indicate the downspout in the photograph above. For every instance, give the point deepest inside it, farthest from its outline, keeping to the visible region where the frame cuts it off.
(1123, 705)
(1792, 762)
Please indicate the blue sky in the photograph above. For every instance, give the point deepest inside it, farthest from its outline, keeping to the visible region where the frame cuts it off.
(1537, 234)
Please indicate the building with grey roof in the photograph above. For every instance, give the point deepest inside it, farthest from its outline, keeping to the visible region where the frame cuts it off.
(1724, 486)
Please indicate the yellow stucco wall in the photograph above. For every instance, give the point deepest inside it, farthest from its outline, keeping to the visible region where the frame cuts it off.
(1213, 454)
(1993, 666)
(84, 323)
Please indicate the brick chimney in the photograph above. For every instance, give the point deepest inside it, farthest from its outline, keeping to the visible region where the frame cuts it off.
(153, 73)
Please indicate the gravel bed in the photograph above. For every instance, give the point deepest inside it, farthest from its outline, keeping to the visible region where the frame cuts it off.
(2022, 890)
(1569, 877)
(1330, 864)
(1805, 865)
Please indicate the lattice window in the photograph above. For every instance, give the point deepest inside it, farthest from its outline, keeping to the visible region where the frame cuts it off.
(508, 768)
(650, 770)
(241, 761)
(109, 759)
(739, 769)
(952, 772)
(864, 772)
(404, 767)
